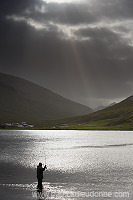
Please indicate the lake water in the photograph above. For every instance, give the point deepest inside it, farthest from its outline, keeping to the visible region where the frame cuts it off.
(81, 164)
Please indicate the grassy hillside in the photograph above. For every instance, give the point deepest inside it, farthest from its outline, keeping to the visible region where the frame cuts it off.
(21, 100)
(119, 117)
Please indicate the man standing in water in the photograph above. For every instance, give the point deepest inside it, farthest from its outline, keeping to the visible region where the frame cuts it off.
(40, 170)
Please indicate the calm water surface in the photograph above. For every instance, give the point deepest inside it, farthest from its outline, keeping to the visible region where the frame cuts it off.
(77, 161)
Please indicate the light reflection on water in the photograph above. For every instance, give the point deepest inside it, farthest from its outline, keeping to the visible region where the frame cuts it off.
(94, 159)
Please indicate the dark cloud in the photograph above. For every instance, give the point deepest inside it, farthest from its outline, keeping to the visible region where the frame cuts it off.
(80, 51)
(119, 9)
(105, 43)
(41, 11)
(16, 7)
(72, 14)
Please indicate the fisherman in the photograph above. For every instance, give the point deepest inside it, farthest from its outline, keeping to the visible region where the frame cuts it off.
(40, 170)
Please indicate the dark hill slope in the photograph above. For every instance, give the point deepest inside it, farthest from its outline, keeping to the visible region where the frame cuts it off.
(21, 100)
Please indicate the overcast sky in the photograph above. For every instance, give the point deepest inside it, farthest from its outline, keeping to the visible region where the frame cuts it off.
(82, 50)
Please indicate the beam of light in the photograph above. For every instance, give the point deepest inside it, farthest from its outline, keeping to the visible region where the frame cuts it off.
(79, 62)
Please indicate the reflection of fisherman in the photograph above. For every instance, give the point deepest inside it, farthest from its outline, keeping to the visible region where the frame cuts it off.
(40, 170)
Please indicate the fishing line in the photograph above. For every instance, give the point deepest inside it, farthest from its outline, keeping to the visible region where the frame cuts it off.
(44, 155)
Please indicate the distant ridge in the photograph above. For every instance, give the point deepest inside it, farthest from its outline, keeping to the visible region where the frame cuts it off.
(103, 107)
(22, 100)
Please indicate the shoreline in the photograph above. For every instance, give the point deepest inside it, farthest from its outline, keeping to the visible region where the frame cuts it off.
(80, 129)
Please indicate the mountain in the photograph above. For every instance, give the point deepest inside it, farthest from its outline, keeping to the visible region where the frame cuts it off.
(99, 108)
(118, 116)
(21, 100)
(103, 107)
(112, 104)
